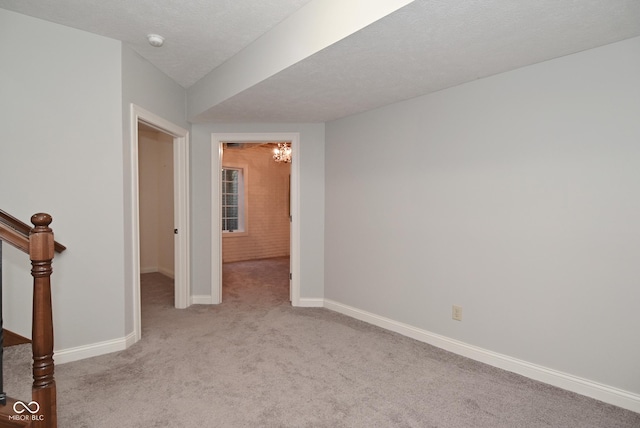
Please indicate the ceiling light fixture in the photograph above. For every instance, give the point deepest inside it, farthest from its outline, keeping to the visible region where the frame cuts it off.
(155, 40)
(282, 153)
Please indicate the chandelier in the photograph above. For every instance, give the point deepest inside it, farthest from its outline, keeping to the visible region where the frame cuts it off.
(282, 153)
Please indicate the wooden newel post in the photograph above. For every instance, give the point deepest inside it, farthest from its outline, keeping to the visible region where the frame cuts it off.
(41, 252)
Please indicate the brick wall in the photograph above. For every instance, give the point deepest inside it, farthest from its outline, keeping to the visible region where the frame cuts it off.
(267, 205)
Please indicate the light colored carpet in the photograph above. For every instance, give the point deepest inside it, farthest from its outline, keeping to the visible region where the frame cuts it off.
(255, 361)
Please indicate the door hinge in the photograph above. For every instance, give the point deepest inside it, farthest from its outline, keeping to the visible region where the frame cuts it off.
(290, 275)
(175, 231)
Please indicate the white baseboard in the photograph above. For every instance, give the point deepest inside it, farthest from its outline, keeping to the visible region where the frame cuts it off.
(130, 339)
(93, 350)
(166, 272)
(303, 303)
(608, 394)
(201, 300)
(605, 393)
(311, 303)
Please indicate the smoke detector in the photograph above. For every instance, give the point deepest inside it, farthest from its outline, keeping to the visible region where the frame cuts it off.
(155, 40)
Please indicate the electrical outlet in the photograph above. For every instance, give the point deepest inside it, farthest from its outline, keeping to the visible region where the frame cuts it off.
(456, 313)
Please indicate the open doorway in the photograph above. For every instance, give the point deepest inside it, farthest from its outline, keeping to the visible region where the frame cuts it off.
(141, 118)
(156, 196)
(255, 218)
(218, 142)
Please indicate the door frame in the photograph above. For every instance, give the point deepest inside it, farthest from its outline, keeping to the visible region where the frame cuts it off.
(182, 281)
(217, 141)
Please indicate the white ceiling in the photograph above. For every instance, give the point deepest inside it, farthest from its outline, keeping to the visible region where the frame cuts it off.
(200, 34)
(423, 47)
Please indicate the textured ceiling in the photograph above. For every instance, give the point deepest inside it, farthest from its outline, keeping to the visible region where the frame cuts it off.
(200, 34)
(426, 46)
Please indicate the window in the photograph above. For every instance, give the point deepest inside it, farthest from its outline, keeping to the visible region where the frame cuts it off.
(232, 199)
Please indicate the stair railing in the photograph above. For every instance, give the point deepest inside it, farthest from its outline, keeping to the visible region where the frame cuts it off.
(38, 242)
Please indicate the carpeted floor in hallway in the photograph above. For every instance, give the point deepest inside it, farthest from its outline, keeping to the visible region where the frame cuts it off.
(255, 361)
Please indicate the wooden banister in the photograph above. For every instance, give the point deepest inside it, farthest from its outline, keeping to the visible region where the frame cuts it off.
(7, 221)
(41, 247)
(15, 238)
(41, 252)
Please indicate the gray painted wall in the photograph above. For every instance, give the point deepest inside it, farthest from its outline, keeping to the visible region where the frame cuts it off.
(515, 197)
(145, 86)
(65, 113)
(61, 152)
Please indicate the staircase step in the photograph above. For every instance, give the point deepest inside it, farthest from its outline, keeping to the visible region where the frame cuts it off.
(12, 339)
(9, 418)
